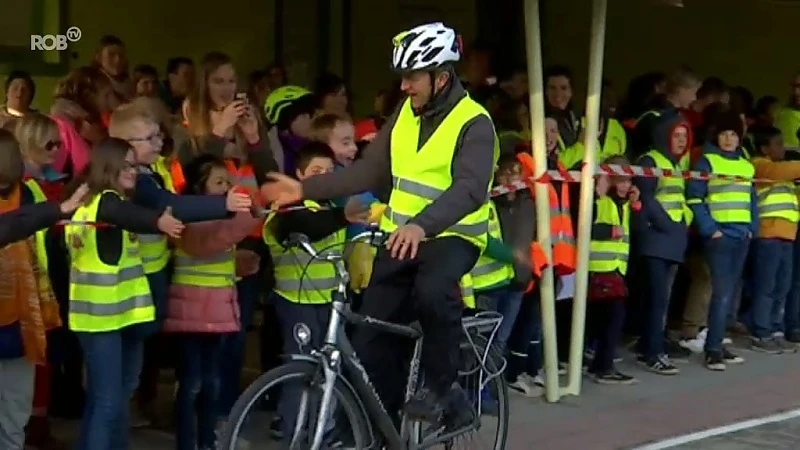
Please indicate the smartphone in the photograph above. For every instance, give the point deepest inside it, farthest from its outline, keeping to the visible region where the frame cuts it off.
(242, 96)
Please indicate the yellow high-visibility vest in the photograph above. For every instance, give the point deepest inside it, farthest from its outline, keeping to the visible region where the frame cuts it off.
(778, 200)
(488, 271)
(155, 247)
(610, 255)
(670, 191)
(104, 297)
(298, 278)
(420, 177)
(39, 237)
(729, 201)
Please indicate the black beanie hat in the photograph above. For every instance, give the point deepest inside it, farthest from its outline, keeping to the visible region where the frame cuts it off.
(728, 120)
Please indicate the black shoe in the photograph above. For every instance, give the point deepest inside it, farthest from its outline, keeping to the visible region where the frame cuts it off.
(715, 361)
(660, 365)
(459, 412)
(614, 377)
(793, 337)
(425, 406)
(730, 357)
(676, 352)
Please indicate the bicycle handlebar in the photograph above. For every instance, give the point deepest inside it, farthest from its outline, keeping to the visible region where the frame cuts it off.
(299, 240)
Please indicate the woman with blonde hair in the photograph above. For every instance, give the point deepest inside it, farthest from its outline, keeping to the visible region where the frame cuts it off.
(222, 122)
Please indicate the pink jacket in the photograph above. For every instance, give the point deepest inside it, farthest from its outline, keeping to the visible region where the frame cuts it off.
(75, 149)
(197, 309)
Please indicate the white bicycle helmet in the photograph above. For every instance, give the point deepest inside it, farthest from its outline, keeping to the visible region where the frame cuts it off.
(425, 47)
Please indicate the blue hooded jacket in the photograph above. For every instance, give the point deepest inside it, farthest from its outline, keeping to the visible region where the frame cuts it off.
(698, 189)
(659, 236)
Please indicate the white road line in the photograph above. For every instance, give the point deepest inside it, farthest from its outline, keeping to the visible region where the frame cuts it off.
(725, 429)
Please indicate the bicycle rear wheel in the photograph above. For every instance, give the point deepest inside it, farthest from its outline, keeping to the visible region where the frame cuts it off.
(301, 383)
(490, 403)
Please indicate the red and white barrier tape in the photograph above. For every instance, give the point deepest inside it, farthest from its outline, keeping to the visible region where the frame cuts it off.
(574, 176)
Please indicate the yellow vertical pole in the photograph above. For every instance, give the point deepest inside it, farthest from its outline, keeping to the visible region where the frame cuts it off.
(596, 50)
(539, 149)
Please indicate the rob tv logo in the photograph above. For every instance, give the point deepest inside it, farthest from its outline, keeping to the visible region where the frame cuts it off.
(55, 41)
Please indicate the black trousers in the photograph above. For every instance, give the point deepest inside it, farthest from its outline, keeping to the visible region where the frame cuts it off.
(402, 291)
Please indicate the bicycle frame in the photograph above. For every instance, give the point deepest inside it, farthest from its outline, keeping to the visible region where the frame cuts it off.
(340, 360)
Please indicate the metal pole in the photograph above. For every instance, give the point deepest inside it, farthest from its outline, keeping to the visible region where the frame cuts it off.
(587, 194)
(541, 193)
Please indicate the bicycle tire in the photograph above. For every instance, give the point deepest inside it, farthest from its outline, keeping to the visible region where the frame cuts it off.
(499, 381)
(345, 399)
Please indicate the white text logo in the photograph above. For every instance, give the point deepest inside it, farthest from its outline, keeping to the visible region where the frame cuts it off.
(55, 41)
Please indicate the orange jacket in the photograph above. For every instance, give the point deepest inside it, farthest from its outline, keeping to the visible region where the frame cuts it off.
(564, 250)
(538, 264)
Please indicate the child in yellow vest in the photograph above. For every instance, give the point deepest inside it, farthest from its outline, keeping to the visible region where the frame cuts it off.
(109, 297)
(615, 201)
(303, 287)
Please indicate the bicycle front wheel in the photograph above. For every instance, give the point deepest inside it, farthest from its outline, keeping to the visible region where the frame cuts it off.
(298, 388)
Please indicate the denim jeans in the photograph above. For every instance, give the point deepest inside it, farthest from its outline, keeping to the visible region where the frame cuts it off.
(726, 259)
(660, 276)
(771, 283)
(113, 362)
(248, 291)
(525, 341)
(507, 302)
(792, 312)
(198, 385)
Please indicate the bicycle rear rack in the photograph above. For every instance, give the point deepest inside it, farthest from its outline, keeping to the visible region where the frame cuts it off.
(484, 325)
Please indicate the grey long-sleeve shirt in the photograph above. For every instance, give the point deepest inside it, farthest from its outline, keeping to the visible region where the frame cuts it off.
(472, 168)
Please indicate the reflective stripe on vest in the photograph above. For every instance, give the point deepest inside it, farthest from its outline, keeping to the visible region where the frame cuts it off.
(671, 191)
(467, 290)
(421, 176)
(104, 297)
(39, 237)
(610, 255)
(729, 201)
(298, 278)
(488, 271)
(561, 232)
(778, 200)
(213, 271)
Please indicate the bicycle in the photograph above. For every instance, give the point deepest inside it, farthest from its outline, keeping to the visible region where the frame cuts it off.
(346, 391)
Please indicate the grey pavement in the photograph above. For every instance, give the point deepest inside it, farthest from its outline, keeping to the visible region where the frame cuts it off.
(773, 436)
(624, 417)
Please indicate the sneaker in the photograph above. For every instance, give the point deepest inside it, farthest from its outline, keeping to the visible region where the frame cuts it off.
(765, 345)
(784, 344)
(660, 365)
(527, 386)
(730, 357)
(727, 341)
(614, 377)
(715, 361)
(676, 352)
(276, 428)
(694, 345)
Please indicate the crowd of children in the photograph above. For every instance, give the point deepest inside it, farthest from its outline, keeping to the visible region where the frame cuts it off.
(121, 225)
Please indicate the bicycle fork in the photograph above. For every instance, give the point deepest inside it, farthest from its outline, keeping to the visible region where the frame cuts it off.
(330, 369)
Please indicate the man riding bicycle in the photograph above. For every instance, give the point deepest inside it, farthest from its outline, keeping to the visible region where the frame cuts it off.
(439, 150)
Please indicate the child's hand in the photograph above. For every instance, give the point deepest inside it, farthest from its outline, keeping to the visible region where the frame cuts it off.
(75, 200)
(633, 194)
(356, 212)
(238, 202)
(247, 262)
(169, 225)
(601, 185)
